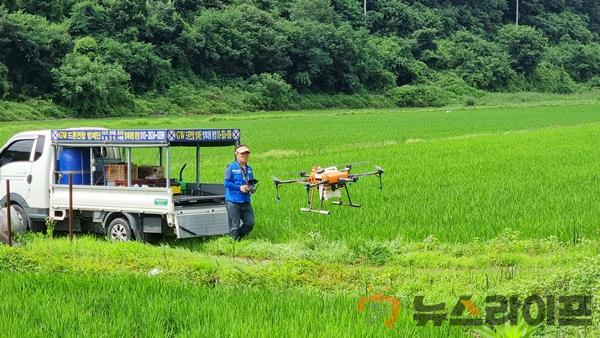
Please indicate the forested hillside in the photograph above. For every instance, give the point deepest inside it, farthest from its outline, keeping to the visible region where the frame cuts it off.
(107, 57)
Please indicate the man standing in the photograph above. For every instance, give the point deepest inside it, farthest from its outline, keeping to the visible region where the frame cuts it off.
(238, 186)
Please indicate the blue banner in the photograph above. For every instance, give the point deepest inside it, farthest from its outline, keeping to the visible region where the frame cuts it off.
(147, 135)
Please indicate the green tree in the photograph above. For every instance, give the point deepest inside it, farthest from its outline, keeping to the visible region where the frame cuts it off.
(475, 16)
(128, 17)
(238, 41)
(317, 10)
(91, 87)
(482, 64)
(397, 57)
(53, 10)
(325, 57)
(558, 25)
(164, 29)
(581, 61)
(308, 53)
(589, 8)
(5, 85)
(395, 17)
(87, 46)
(525, 45)
(350, 11)
(425, 46)
(188, 9)
(88, 18)
(146, 69)
(163, 23)
(31, 46)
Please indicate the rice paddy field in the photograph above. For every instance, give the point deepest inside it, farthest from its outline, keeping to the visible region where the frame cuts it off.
(479, 201)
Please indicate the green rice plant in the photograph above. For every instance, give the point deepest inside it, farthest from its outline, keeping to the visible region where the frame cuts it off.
(41, 305)
(507, 330)
(453, 174)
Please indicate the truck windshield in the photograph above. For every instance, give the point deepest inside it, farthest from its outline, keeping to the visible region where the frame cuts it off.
(18, 151)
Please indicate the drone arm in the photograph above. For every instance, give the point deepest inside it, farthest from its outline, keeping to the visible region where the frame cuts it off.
(371, 173)
(279, 182)
(378, 172)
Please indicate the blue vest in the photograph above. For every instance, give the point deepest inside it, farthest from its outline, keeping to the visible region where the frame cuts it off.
(235, 177)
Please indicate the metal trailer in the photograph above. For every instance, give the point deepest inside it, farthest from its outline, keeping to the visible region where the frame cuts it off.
(131, 210)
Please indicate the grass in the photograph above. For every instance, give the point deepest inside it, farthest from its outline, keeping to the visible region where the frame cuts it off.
(321, 265)
(453, 174)
(525, 98)
(88, 306)
(484, 200)
(94, 288)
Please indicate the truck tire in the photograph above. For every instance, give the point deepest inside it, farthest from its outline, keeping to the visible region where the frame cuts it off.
(119, 230)
(23, 224)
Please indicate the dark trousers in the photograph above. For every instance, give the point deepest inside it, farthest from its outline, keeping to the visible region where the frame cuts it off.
(241, 219)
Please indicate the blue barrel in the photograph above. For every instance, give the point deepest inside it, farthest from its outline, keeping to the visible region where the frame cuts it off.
(74, 161)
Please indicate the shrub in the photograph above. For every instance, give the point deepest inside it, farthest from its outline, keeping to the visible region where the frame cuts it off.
(320, 101)
(270, 91)
(32, 109)
(455, 87)
(553, 79)
(422, 95)
(370, 252)
(594, 82)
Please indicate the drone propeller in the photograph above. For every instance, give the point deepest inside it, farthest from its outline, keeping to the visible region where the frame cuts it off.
(301, 173)
(348, 166)
(356, 164)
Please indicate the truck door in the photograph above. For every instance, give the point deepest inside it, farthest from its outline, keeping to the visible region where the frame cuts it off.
(41, 171)
(15, 166)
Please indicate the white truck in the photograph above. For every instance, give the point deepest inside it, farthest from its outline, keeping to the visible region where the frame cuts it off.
(39, 163)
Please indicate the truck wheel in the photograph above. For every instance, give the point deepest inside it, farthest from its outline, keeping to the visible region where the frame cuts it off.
(118, 230)
(22, 224)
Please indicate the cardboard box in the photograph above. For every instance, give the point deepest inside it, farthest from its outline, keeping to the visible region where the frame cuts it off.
(118, 171)
(152, 171)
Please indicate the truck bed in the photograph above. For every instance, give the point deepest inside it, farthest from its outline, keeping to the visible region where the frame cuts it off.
(112, 198)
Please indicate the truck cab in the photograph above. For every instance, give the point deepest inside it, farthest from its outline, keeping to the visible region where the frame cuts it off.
(25, 161)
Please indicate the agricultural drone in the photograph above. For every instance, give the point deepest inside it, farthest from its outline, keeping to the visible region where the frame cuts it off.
(327, 183)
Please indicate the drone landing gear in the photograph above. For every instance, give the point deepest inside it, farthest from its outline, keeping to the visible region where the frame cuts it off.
(349, 204)
(346, 204)
(310, 194)
(311, 191)
(323, 212)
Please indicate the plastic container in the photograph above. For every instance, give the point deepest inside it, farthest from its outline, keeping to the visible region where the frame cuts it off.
(74, 161)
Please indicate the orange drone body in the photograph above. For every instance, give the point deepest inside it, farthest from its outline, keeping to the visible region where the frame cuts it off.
(331, 175)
